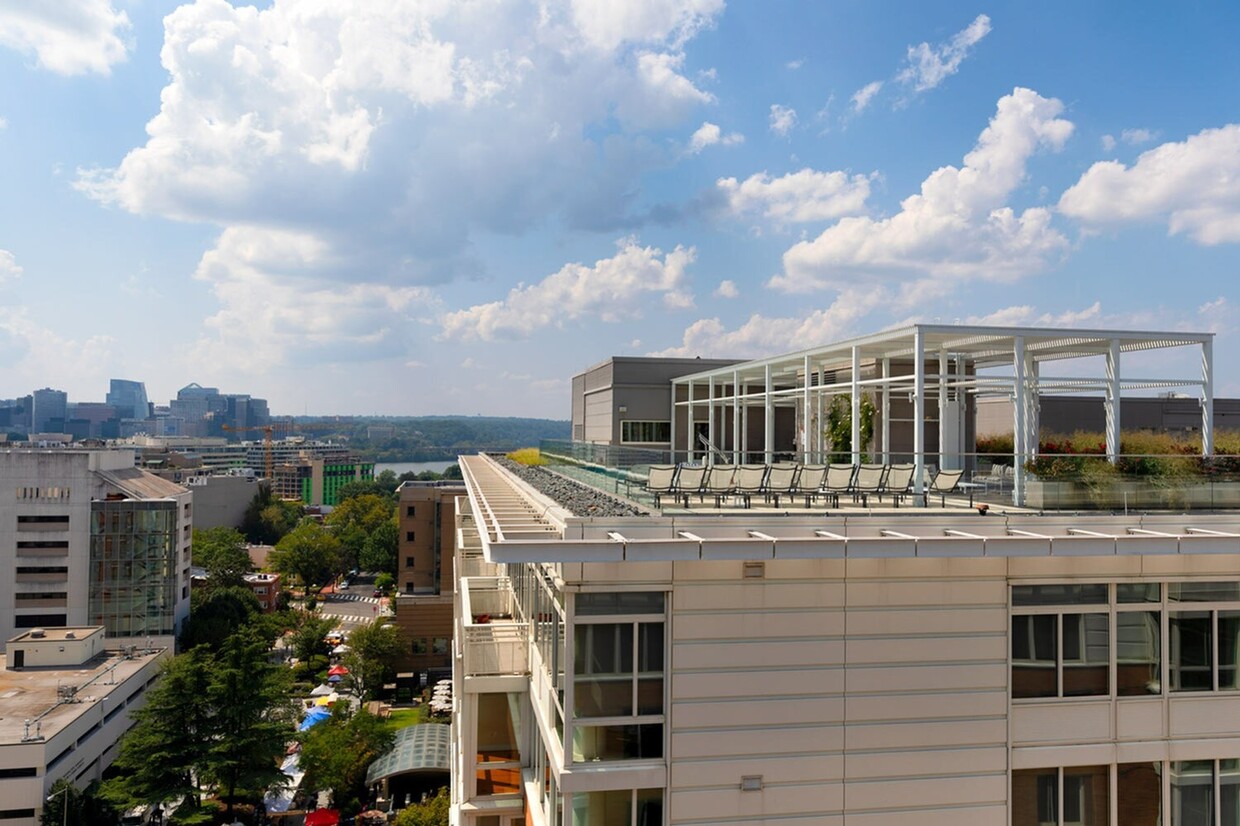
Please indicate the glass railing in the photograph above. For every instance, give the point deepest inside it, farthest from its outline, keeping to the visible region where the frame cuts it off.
(1049, 481)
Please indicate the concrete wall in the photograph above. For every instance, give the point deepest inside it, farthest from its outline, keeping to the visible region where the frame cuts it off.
(220, 501)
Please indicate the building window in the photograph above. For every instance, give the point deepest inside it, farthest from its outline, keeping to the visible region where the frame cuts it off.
(623, 807)
(618, 677)
(409, 510)
(1060, 655)
(420, 645)
(497, 765)
(645, 432)
(408, 536)
(1085, 798)
(408, 562)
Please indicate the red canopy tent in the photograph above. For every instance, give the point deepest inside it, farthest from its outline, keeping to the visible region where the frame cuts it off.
(323, 817)
(337, 671)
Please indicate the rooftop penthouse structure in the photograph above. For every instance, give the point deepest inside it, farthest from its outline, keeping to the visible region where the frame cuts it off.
(850, 661)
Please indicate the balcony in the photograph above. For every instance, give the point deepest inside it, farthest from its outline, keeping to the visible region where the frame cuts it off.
(494, 642)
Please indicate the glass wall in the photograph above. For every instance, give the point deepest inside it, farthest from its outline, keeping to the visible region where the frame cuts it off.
(133, 567)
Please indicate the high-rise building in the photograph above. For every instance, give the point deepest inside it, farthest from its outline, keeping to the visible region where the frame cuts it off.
(965, 657)
(129, 399)
(48, 413)
(88, 539)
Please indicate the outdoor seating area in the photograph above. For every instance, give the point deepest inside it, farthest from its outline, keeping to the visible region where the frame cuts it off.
(834, 483)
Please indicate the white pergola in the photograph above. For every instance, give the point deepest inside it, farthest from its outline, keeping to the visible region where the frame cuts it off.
(896, 361)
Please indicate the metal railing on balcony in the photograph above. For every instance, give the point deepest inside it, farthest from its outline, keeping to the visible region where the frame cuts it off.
(496, 642)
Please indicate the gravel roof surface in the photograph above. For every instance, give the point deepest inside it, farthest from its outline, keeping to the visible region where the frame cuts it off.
(578, 499)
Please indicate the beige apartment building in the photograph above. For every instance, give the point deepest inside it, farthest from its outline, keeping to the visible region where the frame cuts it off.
(845, 663)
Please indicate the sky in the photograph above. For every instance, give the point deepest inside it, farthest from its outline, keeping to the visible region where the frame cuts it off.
(422, 207)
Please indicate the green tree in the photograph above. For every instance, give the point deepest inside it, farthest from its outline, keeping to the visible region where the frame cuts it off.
(381, 550)
(167, 746)
(222, 552)
(356, 519)
(252, 712)
(839, 426)
(61, 796)
(371, 658)
(385, 582)
(336, 753)
(310, 552)
(267, 519)
(362, 487)
(310, 638)
(433, 812)
(217, 613)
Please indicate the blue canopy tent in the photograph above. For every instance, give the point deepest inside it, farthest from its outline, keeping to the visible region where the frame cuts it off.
(313, 717)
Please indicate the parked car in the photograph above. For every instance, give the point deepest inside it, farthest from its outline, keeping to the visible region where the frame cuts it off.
(344, 585)
(377, 593)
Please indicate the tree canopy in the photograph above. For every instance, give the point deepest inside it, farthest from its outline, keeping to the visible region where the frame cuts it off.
(267, 518)
(222, 552)
(336, 753)
(217, 613)
(373, 651)
(433, 812)
(309, 552)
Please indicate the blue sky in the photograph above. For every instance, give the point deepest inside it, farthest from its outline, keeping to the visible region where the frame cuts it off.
(434, 206)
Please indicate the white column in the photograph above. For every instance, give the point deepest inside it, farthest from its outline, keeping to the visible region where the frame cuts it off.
(1019, 430)
(806, 426)
(671, 453)
(736, 417)
(855, 412)
(1207, 397)
(710, 423)
(1112, 401)
(919, 410)
(745, 427)
(1033, 406)
(691, 431)
(768, 419)
(945, 441)
(820, 440)
(886, 425)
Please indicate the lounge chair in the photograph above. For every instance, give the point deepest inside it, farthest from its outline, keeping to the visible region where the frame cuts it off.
(898, 483)
(809, 482)
(720, 482)
(945, 482)
(749, 481)
(689, 482)
(839, 481)
(660, 481)
(869, 482)
(779, 482)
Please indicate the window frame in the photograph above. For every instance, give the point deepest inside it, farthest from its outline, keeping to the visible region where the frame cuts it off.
(653, 426)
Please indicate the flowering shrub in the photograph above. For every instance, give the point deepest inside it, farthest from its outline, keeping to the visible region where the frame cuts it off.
(1081, 456)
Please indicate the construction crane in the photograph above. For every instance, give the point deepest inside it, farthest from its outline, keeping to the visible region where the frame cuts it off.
(268, 430)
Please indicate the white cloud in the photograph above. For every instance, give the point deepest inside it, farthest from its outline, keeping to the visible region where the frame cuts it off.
(959, 225)
(783, 118)
(614, 288)
(727, 289)
(862, 97)
(1135, 137)
(793, 65)
(1025, 315)
(709, 134)
(9, 269)
(807, 195)
(1193, 184)
(68, 37)
(762, 335)
(606, 24)
(391, 134)
(3, 123)
(277, 305)
(929, 66)
(34, 352)
(1108, 143)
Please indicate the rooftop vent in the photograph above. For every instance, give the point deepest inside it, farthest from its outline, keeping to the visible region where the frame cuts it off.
(37, 633)
(70, 635)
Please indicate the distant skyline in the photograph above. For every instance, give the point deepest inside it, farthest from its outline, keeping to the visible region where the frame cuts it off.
(422, 207)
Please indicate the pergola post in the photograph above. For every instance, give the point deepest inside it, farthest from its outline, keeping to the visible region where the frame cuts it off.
(919, 411)
(1020, 431)
(690, 430)
(745, 426)
(736, 417)
(820, 436)
(855, 412)
(886, 436)
(1207, 397)
(768, 419)
(1112, 401)
(805, 429)
(710, 424)
(1033, 407)
(672, 434)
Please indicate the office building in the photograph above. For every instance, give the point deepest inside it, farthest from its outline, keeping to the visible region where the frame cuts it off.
(850, 662)
(426, 513)
(48, 411)
(129, 399)
(315, 480)
(67, 696)
(88, 539)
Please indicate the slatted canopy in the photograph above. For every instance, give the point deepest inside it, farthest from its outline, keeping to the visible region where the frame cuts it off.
(1012, 362)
